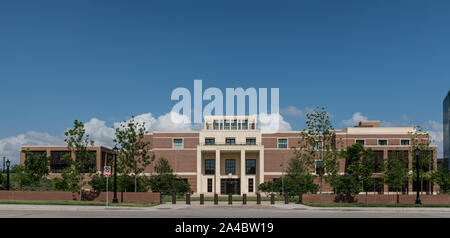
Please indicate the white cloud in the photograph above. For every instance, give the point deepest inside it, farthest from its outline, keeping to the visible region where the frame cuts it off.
(292, 111)
(271, 123)
(436, 131)
(99, 132)
(10, 146)
(356, 118)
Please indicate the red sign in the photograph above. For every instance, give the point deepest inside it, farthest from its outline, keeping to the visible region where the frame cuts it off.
(107, 171)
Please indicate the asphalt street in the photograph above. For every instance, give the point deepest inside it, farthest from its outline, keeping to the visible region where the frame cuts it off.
(216, 211)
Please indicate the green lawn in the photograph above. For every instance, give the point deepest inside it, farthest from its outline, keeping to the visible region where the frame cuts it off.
(77, 203)
(371, 205)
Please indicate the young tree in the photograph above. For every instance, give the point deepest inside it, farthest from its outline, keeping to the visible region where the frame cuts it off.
(360, 167)
(134, 155)
(441, 176)
(422, 141)
(319, 143)
(78, 141)
(396, 174)
(299, 180)
(36, 166)
(164, 181)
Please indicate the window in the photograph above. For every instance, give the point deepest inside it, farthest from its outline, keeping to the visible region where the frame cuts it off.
(230, 141)
(250, 185)
(210, 166)
(318, 145)
(210, 185)
(233, 124)
(360, 142)
(244, 124)
(226, 125)
(210, 141)
(230, 166)
(382, 142)
(250, 141)
(59, 160)
(404, 142)
(216, 125)
(89, 164)
(250, 166)
(319, 167)
(282, 143)
(178, 143)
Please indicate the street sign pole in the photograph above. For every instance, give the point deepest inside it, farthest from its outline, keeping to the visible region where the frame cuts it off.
(107, 191)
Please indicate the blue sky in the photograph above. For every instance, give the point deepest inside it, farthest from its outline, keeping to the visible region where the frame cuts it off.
(66, 60)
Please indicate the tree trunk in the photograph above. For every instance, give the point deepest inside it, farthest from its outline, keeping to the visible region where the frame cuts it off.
(398, 198)
(135, 183)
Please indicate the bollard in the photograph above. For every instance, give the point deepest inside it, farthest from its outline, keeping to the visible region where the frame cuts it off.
(230, 199)
(188, 198)
(258, 198)
(202, 199)
(216, 199)
(272, 198)
(244, 198)
(174, 198)
(286, 198)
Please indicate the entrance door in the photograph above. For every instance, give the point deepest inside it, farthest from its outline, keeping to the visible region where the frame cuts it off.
(228, 186)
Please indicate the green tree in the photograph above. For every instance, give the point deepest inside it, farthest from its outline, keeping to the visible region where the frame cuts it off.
(359, 168)
(421, 140)
(164, 181)
(78, 142)
(396, 174)
(134, 155)
(36, 166)
(441, 176)
(298, 178)
(319, 143)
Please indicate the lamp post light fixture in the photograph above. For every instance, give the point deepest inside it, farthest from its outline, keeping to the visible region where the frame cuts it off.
(115, 152)
(282, 178)
(417, 152)
(8, 163)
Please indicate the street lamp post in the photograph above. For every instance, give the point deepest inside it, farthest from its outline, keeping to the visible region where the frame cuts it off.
(8, 163)
(115, 175)
(417, 151)
(282, 178)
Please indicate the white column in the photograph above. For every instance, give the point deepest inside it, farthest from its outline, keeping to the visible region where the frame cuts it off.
(217, 169)
(261, 167)
(199, 170)
(244, 188)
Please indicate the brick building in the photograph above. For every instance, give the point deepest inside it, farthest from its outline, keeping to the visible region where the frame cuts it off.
(231, 155)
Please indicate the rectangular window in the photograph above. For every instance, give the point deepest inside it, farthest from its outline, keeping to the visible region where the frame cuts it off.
(319, 167)
(210, 166)
(233, 124)
(230, 141)
(230, 166)
(282, 143)
(216, 125)
(178, 143)
(404, 142)
(360, 142)
(250, 185)
(59, 160)
(210, 185)
(250, 166)
(382, 142)
(250, 141)
(210, 141)
(226, 125)
(318, 145)
(244, 124)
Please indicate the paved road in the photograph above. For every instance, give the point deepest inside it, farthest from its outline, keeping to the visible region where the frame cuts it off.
(219, 211)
